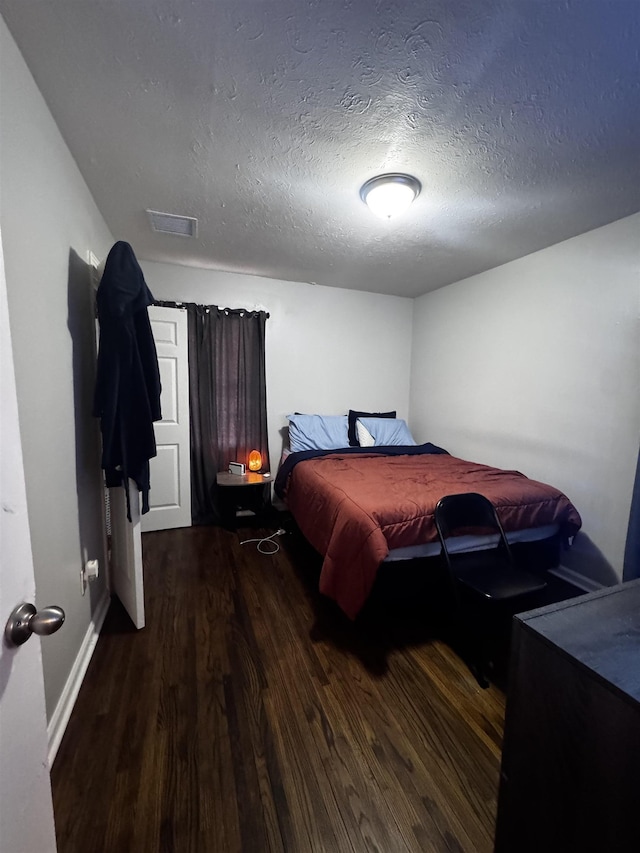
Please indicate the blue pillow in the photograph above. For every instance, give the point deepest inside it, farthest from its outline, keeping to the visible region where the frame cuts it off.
(318, 432)
(386, 432)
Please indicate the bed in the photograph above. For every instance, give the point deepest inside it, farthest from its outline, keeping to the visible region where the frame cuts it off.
(360, 507)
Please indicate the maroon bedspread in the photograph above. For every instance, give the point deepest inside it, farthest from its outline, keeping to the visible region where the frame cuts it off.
(354, 508)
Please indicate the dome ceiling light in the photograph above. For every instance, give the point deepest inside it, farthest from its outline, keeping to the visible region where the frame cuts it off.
(391, 194)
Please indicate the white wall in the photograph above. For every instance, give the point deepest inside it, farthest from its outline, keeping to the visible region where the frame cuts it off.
(536, 366)
(49, 222)
(328, 350)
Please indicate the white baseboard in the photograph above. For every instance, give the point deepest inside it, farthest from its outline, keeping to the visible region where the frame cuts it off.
(576, 579)
(60, 717)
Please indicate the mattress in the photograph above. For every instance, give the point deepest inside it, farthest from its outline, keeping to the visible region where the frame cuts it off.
(472, 543)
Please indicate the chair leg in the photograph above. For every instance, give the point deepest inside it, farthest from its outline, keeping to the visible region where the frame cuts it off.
(471, 647)
(475, 662)
(465, 641)
(476, 646)
(478, 671)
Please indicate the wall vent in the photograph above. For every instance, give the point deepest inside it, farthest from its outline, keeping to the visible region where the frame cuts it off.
(171, 223)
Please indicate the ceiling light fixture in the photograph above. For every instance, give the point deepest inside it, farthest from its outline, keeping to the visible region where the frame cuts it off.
(390, 195)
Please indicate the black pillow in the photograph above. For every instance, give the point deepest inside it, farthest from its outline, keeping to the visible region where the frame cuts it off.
(353, 417)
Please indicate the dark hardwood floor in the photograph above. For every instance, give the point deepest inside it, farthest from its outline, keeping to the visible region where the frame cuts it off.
(250, 715)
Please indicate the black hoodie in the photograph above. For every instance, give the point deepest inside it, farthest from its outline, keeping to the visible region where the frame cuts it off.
(127, 395)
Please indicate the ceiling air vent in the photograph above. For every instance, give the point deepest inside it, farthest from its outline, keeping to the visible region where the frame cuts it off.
(170, 223)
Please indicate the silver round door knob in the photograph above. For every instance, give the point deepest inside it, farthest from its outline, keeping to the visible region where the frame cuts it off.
(26, 620)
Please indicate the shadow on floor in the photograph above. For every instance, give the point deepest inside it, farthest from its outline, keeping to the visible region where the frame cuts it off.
(117, 620)
(410, 604)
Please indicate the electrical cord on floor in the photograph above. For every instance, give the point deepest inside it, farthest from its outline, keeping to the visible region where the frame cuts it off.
(273, 546)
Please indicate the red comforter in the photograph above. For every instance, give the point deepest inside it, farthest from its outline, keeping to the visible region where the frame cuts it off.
(354, 508)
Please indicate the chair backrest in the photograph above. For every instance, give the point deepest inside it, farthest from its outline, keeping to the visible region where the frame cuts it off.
(468, 512)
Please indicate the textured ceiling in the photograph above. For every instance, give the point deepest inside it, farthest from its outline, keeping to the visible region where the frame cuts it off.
(521, 119)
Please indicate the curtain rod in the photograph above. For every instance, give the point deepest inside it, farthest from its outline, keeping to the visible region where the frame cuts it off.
(168, 303)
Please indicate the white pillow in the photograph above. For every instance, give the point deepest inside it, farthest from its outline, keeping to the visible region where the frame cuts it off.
(365, 439)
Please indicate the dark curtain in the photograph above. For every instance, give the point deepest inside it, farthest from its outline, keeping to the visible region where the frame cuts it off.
(228, 398)
(632, 550)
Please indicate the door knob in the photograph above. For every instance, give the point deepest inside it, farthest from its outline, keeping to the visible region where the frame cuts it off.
(26, 620)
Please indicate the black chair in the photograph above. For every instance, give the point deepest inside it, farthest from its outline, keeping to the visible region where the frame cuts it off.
(485, 578)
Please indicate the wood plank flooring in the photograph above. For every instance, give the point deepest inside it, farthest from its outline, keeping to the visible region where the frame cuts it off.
(250, 715)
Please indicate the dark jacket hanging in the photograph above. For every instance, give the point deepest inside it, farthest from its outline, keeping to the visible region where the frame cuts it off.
(127, 395)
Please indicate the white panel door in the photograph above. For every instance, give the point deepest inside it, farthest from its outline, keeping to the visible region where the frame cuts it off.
(26, 812)
(170, 494)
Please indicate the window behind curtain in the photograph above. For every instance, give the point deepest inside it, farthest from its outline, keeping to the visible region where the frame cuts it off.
(228, 400)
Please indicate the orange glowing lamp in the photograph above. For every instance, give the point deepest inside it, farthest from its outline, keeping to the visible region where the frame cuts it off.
(255, 460)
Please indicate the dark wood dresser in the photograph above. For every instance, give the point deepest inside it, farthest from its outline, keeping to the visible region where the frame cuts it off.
(570, 780)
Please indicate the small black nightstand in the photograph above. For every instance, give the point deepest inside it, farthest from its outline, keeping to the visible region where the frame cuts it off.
(242, 496)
